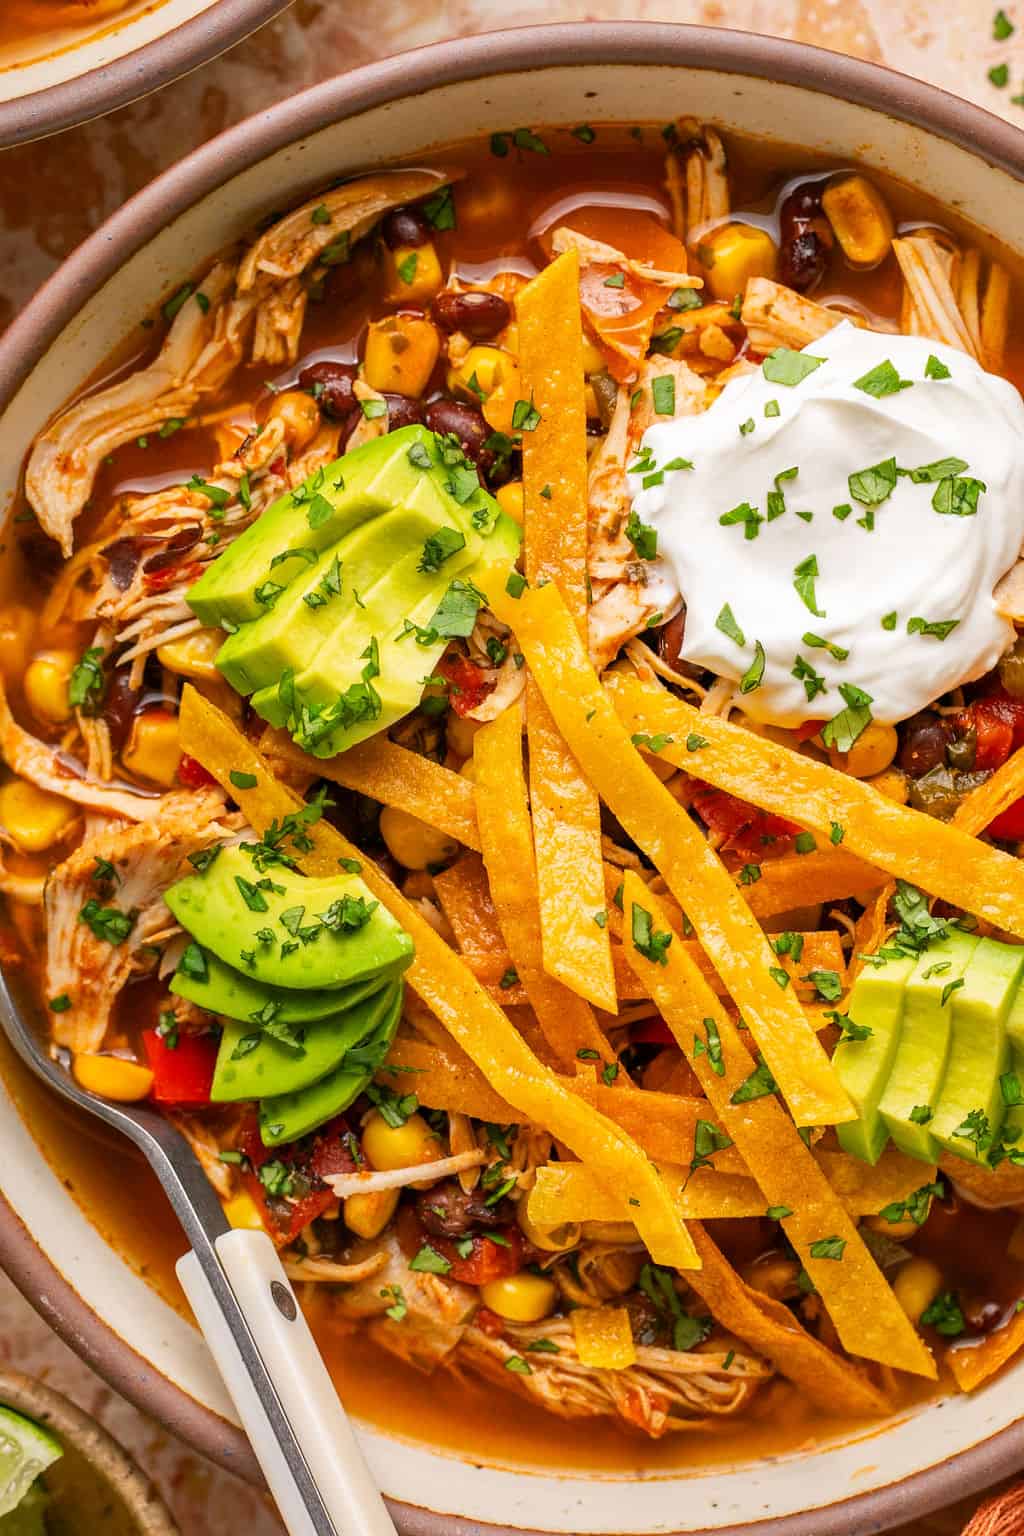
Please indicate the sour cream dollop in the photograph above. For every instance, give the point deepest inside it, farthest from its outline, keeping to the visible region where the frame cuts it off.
(808, 554)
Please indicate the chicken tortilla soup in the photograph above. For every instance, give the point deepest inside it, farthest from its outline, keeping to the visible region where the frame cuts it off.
(514, 739)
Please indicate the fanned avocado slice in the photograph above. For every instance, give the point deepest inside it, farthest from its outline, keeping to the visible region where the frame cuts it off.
(971, 1100)
(232, 995)
(876, 1003)
(252, 1063)
(285, 929)
(288, 1116)
(918, 1072)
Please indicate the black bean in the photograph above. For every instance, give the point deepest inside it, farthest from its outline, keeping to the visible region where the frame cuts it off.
(923, 744)
(448, 1210)
(453, 417)
(404, 226)
(983, 1315)
(119, 705)
(805, 238)
(403, 411)
(184, 540)
(647, 1324)
(480, 315)
(331, 383)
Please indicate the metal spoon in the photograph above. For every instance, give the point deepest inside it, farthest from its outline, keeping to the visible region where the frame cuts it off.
(247, 1311)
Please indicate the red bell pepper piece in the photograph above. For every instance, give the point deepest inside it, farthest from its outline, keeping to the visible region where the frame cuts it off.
(1010, 825)
(182, 1075)
(193, 775)
(486, 1260)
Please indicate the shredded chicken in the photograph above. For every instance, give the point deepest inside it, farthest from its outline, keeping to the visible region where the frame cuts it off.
(437, 1311)
(92, 969)
(49, 769)
(327, 1271)
(931, 308)
(696, 179)
(593, 252)
(775, 316)
(665, 1390)
(369, 1182)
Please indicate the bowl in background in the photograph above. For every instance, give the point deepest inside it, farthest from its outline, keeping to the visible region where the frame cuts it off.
(873, 1479)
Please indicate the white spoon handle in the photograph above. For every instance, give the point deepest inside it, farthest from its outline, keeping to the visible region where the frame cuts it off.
(341, 1483)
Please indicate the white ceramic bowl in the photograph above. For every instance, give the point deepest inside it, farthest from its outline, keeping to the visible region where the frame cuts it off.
(598, 73)
(109, 64)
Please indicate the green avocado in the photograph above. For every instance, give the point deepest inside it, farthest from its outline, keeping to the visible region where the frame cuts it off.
(1011, 1087)
(232, 995)
(876, 1003)
(312, 517)
(271, 926)
(286, 1117)
(918, 1071)
(979, 1051)
(330, 598)
(252, 1063)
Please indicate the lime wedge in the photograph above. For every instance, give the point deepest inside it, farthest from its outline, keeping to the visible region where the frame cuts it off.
(26, 1450)
(29, 1519)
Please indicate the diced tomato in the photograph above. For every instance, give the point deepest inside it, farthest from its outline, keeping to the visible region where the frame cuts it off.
(468, 685)
(313, 1158)
(741, 828)
(808, 729)
(998, 723)
(489, 1322)
(193, 775)
(297, 1215)
(182, 1076)
(1010, 825)
(170, 575)
(486, 1260)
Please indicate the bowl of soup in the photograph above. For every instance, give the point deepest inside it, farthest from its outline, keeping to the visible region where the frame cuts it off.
(512, 718)
(64, 62)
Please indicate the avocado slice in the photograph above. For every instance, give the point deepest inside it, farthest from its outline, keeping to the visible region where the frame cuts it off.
(233, 995)
(255, 923)
(876, 1003)
(979, 1051)
(919, 1066)
(251, 1063)
(313, 516)
(287, 1116)
(339, 583)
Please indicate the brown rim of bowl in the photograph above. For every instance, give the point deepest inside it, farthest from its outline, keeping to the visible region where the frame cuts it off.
(145, 69)
(118, 1472)
(203, 171)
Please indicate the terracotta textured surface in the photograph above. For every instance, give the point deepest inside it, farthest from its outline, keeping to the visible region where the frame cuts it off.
(54, 193)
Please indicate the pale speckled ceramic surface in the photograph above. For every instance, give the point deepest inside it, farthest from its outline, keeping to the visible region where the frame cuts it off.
(52, 194)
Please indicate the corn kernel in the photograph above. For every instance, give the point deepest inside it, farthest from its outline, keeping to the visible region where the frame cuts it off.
(243, 1213)
(412, 842)
(593, 358)
(510, 499)
(33, 818)
(481, 372)
(860, 220)
(400, 354)
(368, 1215)
(17, 625)
(916, 1285)
(552, 1239)
(299, 414)
(521, 1298)
(896, 1231)
(112, 1078)
(871, 753)
(412, 274)
(734, 253)
(194, 656)
(590, 404)
(398, 1146)
(154, 751)
(46, 686)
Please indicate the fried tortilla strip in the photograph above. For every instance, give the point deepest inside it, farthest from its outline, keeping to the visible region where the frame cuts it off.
(448, 987)
(664, 1124)
(566, 814)
(693, 872)
(395, 776)
(465, 898)
(569, 1191)
(503, 817)
(940, 857)
(834, 1385)
(867, 1317)
(971, 1367)
(805, 879)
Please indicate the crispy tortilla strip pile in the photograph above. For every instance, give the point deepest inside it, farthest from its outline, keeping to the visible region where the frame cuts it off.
(940, 857)
(503, 817)
(566, 814)
(866, 1314)
(449, 989)
(693, 872)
